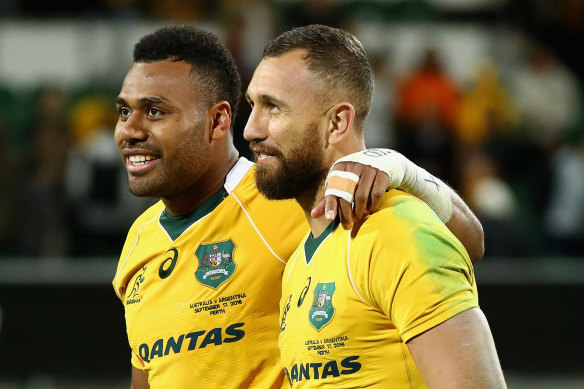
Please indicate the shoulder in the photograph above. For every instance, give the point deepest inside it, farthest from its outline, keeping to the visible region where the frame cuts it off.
(407, 261)
(405, 225)
(241, 184)
(399, 212)
(247, 194)
(149, 215)
(127, 264)
(280, 223)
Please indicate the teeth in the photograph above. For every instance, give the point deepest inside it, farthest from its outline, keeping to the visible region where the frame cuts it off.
(263, 155)
(140, 159)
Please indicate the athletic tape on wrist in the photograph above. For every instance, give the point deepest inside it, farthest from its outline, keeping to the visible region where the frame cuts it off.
(430, 189)
(407, 176)
(388, 161)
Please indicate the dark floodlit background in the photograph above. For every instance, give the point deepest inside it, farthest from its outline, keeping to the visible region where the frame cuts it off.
(487, 94)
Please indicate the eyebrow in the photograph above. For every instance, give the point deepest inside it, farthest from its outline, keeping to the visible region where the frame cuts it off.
(143, 102)
(268, 99)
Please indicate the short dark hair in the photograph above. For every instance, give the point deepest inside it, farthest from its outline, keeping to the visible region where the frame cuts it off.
(337, 58)
(214, 71)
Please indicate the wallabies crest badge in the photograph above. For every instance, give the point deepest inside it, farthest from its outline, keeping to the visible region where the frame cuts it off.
(215, 263)
(321, 312)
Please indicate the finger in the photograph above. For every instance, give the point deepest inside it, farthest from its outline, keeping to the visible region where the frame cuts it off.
(344, 166)
(380, 185)
(340, 185)
(319, 209)
(331, 207)
(345, 208)
(363, 190)
(346, 214)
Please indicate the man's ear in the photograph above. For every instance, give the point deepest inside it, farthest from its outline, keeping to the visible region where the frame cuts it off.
(341, 117)
(219, 120)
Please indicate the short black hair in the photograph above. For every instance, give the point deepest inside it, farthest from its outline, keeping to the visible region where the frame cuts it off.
(214, 71)
(337, 58)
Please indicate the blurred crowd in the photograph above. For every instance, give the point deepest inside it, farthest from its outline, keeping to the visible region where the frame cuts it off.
(510, 140)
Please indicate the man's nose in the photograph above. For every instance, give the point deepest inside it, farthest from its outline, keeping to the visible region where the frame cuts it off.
(132, 129)
(254, 128)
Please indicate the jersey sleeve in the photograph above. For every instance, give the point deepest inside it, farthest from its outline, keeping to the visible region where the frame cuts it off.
(136, 361)
(126, 266)
(419, 273)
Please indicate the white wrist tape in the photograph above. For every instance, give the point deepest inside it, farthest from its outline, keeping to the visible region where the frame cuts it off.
(407, 176)
(341, 184)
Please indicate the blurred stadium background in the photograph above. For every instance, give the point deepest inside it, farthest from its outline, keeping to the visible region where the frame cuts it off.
(484, 93)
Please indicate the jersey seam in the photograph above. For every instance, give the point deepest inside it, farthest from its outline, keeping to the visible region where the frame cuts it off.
(349, 266)
(407, 367)
(256, 229)
(130, 253)
(292, 262)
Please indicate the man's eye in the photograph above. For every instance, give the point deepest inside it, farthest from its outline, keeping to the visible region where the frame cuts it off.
(154, 112)
(273, 108)
(124, 111)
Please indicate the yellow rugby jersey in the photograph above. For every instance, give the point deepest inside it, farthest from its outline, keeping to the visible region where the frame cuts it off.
(349, 304)
(201, 292)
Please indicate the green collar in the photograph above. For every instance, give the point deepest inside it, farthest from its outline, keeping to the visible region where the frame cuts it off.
(176, 225)
(312, 243)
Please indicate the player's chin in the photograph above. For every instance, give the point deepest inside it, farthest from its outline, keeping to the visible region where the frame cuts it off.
(268, 167)
(268, 183)
(141, 188)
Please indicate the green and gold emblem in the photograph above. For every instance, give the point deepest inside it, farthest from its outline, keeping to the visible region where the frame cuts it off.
(215, 263)
(321, 312)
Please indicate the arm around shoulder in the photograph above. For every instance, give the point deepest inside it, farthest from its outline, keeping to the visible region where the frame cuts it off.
(394, 170)
(458, 354)
(467, 228)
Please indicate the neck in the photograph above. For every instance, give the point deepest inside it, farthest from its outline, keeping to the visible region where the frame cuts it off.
(308, 201)
(312, 197)
(204, 188)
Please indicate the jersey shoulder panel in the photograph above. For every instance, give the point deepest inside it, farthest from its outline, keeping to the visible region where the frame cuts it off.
(152, 212)
(280, 223)
(430, 278)
(404, 218)
(127, 264)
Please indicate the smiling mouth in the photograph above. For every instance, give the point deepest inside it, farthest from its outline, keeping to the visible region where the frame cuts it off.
(266, 153)
(263, 157)
(139, 160)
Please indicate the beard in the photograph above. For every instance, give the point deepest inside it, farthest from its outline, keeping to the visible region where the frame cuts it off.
(297, 175)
